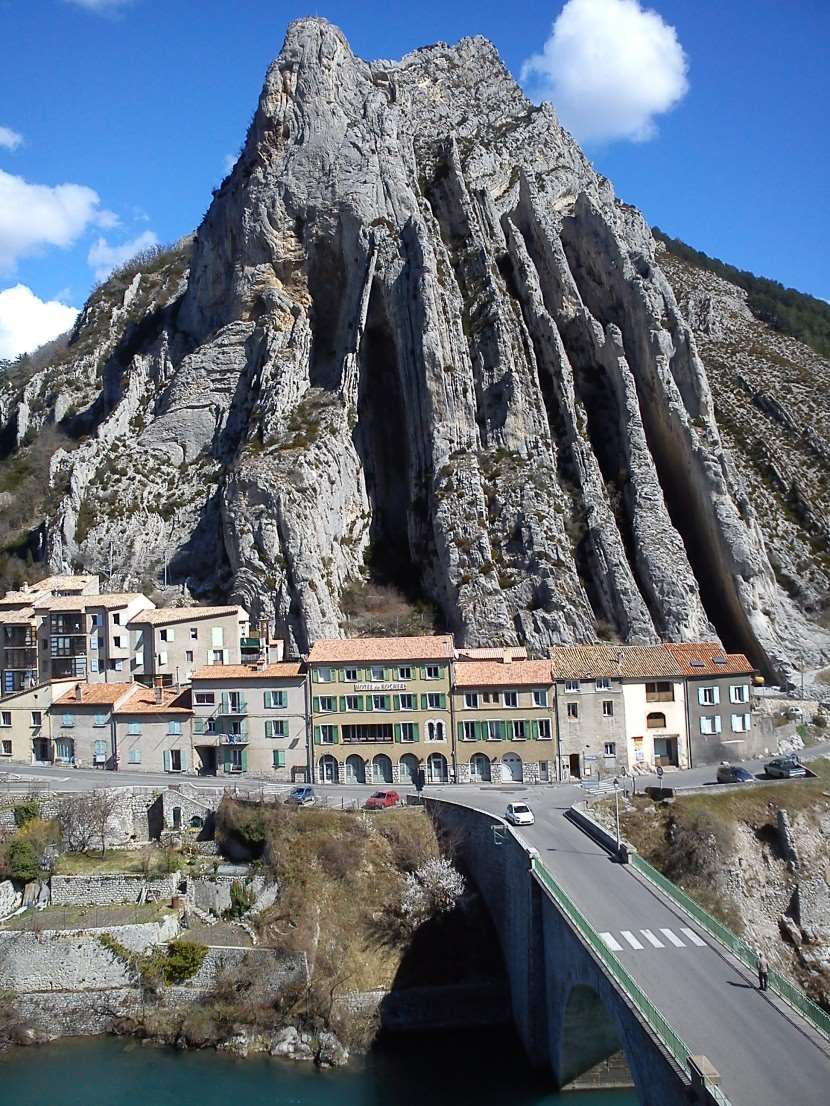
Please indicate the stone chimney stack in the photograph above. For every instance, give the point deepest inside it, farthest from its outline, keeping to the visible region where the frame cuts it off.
(507, 656)
(79, 693)
(158, 690)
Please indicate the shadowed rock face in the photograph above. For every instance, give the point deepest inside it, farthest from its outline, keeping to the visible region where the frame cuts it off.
(417, 320)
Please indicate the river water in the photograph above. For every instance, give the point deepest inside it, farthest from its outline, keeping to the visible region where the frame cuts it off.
(452, 1069)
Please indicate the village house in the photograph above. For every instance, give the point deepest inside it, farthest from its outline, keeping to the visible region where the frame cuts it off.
(172, 642)
(153, 730)
(87, 637)
(381, 710)
(504, 719)
(83, 728)
(251, 719)
(26, 725)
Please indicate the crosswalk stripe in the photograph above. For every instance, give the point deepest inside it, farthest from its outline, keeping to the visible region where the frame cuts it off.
(675, 940)
(652, 940)
(632, 940)
(693, 937)
(611, 942)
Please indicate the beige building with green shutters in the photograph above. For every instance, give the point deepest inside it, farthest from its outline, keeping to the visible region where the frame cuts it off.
(504, 713)
(381, 710)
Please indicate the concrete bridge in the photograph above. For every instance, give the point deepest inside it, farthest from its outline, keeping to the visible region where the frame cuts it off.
(551, 891)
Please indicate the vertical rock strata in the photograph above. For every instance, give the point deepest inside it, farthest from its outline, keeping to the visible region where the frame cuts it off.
(417, 322)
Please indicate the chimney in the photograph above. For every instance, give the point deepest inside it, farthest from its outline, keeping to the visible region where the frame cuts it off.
(507, 656)
(158, 690)
(24, 586)
(79, 693)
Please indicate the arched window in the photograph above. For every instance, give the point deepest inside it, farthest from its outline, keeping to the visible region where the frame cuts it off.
(435, 730)
(656, 720)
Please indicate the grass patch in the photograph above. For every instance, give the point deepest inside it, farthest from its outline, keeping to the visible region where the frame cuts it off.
(148, 862)
(88, 917)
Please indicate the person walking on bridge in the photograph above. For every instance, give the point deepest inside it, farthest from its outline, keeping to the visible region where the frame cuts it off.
(763, 970)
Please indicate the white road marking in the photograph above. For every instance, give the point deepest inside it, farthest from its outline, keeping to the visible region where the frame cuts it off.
(652, 940)
(693, 937)
(632, 940)
(675, 940)
(611, 942)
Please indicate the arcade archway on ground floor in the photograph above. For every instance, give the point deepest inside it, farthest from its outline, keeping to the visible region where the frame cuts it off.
(355, 769)
(328, 769)
(381, 769)
(437, 768)
(409, 766)
(480, 770)
(512, 768)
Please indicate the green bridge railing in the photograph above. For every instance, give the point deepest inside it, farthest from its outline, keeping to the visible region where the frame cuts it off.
(791, 994)
(668, 1037)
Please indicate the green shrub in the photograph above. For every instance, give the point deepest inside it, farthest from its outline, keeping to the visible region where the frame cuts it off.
(26, 811)
(22, 860)
(242, 899)
(182, 961)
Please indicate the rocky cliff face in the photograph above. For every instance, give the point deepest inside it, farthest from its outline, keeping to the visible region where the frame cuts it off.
(417, 326)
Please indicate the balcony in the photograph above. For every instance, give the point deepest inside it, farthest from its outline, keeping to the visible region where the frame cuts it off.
(233, 738)
(232, 704)
(250, 644)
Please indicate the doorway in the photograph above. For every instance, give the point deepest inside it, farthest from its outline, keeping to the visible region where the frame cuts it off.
(574, 767)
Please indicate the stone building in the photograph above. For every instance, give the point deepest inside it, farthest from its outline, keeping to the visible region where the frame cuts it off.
(87, 637)
(153, 730)
(380, 709)
(26, 724)
(83, 728)
(718, 703)
(503, 713)
(251, 719)
(173, 642)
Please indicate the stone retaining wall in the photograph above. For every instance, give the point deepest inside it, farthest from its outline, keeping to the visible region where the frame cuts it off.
(101, 890)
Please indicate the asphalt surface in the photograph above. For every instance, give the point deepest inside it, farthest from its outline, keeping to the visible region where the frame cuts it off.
(766, 1055)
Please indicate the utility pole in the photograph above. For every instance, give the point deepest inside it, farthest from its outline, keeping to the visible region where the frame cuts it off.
(617, 810)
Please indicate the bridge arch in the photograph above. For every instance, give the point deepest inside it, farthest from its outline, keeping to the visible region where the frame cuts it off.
(589, 1035)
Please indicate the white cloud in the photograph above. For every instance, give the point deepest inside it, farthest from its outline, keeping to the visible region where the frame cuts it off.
(36, 215)
(609, 67)
(104, 258)
(26, 321)
(9, 139)
(100, 7)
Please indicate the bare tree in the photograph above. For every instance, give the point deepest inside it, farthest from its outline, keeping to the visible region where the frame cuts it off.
(104, 804)
(85, 818)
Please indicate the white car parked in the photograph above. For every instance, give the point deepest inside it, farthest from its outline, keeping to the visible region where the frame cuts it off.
(519, 814)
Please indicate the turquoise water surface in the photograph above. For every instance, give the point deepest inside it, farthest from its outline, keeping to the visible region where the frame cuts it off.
(453, 1069)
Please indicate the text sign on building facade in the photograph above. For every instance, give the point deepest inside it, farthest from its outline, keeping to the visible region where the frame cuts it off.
(380, 687)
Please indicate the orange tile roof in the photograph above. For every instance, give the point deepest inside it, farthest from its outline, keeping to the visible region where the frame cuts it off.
(499, 674)
(334, 650)
(113, 601)
(701, 659)
(632, 662)
(98, 694)
(164, 616)
(284, 669)
(173, 701)
(516, 652)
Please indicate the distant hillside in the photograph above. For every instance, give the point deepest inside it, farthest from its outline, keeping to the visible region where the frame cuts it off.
(786, 310)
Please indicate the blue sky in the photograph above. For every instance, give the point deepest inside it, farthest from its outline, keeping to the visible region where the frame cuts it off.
(138, 103)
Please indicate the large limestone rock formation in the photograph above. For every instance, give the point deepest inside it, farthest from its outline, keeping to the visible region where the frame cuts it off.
(418, 326)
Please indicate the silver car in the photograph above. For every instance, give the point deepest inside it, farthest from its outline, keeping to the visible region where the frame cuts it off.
(785, 768)
(519, 814)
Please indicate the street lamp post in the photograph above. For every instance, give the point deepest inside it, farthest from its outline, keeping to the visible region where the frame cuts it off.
(617, 810)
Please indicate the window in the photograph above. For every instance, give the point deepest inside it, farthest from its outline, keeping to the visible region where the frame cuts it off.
(469, 731)
(6, 747)
(100, 750)
(491, 697)
(116, 619)
(409, 731)
(540, 697)
(609, 749)
(117, 666)
(432, 672)
(134, 729)
(434, 701)
(37, 718)
(407, 702)
(328, 703)
(471, 700)
(573, 710)
(495, 730)
(96, 620)
(188, 656)
(544, 729)
(710, 724)
(134, 756)
(353, 702)
(405, 673)
(275, 700)
(655, 721)
(607, 708)
(377, 672)
(380, 702)
(661, 691)
(325, 675)
(194, 633)
(520, 729)
(350, 675)
(435, 730)
(174, 728)
(708, 696)
(217, 656)
(741, 723)
(101, 719)
(274, 728)
(739, 693)
(279, 758)
(328, 735)
(6, 718)
(511, 698)
(167, 634)
(571, 686)
(205, 698)
(66, 720)
(603, 684)
(176, 763)
(93, 664)
(100, 643)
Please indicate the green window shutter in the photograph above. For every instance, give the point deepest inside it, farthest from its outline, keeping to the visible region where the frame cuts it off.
(336, 734)
(342, 702)
(228, 762)
(534, 727)
(417, 729)
(359, 702)
(460, 730)
(266, 699)
(315, 702)
(269, 728)
(387, 702)
(244, 760)
(184, 760)
(423, 702)
(442, 701)
(315, 676)
(511, 729)
(316, 735)
(282, 698)
(397, 701)
(166, 759)
(397, 731)
(369, 705)
(478, 728)
(279, 758)
(423, 672)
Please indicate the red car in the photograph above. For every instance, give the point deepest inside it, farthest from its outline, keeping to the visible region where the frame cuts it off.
(382, 799)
